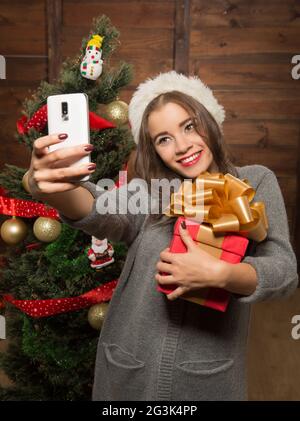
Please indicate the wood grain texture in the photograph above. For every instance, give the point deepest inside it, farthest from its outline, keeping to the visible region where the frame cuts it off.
(276, 104)
(262, 133)
(54, 20)
(22, 28)
(244, 71)
(24, 71)
(245, 14)
(182, 36)
(231, 41)
(273, 355)
(129, 14)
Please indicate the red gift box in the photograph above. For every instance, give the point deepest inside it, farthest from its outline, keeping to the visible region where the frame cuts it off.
(230, 248)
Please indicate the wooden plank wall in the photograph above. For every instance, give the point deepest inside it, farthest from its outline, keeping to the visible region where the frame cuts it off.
(23, 42)
(241, 48)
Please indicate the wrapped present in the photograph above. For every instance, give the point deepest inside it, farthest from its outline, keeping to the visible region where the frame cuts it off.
(230, 248)
(221, 219)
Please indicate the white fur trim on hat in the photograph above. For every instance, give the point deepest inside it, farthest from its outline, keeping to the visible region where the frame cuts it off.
(167, 82)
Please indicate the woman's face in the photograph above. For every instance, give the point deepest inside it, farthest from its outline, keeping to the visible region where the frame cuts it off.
(177, 142)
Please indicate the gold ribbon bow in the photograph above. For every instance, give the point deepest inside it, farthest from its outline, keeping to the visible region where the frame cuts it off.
(224, 202)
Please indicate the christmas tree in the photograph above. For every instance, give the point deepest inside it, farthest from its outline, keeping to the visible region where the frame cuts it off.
(48, 265)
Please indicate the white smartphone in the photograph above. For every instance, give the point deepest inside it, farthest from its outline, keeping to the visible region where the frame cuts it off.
(69, 113)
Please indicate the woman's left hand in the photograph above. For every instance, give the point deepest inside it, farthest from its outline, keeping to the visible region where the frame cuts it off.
(190, 271)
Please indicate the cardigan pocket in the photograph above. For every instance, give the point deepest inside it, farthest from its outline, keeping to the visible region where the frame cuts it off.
(204, 380)
(125, 373)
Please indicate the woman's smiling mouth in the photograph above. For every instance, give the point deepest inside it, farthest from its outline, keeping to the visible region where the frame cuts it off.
(191, 160)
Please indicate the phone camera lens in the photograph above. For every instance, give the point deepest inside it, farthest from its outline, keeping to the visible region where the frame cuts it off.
(64, 108)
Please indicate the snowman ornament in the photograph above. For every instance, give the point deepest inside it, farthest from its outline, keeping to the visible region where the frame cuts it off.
(91, 65)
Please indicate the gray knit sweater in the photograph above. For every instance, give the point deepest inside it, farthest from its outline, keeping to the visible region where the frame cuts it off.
(151, 348)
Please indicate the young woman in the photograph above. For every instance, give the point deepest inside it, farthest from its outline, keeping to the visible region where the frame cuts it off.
(154, 347)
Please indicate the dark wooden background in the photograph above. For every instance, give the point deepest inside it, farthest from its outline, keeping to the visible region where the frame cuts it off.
(240, 48)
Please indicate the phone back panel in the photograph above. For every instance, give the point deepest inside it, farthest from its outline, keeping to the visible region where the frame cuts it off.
(75, 124)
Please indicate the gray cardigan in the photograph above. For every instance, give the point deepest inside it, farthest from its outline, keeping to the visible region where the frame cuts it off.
(151, 348)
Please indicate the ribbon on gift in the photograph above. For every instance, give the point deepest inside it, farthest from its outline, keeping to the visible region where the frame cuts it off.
(224, 203)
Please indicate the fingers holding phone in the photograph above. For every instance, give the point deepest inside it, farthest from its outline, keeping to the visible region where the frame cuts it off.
(68, 114)
(52, 172)
(65, 155)
(41, 145)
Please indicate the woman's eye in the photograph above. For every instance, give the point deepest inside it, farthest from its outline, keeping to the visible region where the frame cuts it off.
(189, 127)
(162, 140)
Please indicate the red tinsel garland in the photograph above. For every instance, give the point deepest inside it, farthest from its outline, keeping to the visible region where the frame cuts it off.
(51, 307)
(25, 208)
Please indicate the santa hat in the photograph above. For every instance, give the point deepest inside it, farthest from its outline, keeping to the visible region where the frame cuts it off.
(167, 82)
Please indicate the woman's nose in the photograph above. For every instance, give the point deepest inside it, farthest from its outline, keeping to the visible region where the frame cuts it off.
(182, 145)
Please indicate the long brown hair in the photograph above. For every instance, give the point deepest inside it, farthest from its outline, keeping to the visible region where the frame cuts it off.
(148, 164)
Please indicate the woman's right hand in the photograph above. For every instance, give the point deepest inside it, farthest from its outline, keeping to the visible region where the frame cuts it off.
(50, 172)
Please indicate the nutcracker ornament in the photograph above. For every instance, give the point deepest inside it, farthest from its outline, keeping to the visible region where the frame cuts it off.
(100, 253)
(91, 65)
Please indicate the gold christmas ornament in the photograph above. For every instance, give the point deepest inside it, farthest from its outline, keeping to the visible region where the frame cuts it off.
(13, 231)
(25, 183)
(117, 112)
(46, 229)
(96, 315)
